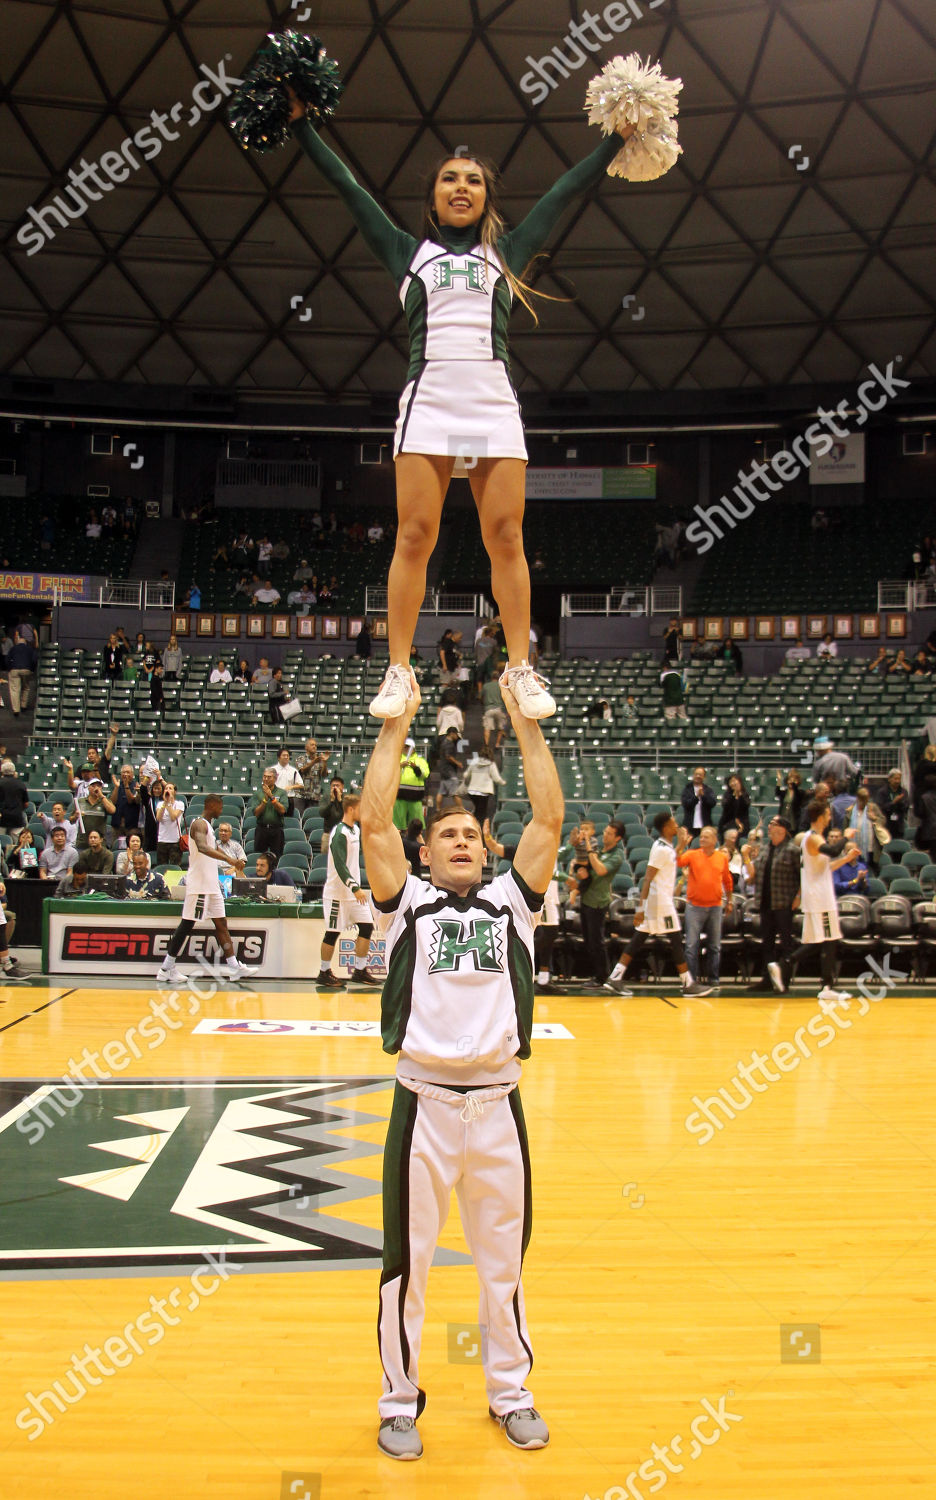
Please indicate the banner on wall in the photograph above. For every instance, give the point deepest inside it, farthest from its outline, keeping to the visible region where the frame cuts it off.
(635, 482)
(39, 586)
(843, 464)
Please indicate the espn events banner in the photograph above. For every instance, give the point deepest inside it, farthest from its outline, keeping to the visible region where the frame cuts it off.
(843, 464)
(137, 943)
(76, 586)
(636, 482)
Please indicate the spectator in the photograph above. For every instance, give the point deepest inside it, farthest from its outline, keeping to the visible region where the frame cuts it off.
(674, 695)
(228, 845)
(629, 711)
(730, 848)
(264, 556)
(129, 671)
(881, 663)
(270, 812)
(450, 767)
(494, 718)
(922, 664)
(851, 879)
(126, 803)
(58, 856)
(827, 648)
(332, 809)
(144, 884)
(93, 811)
(193, 597)
(280, 551)
(301, 599)
(449, 658)
(449, 715)
(14, 795)
(151, 792)
(672, 641)
(709, 890)
(95, 764)
(220, 672)
(698, 801)
(900, 664)
(893, 800)
(735, 813)
(412, 842)
(311, 767)
(113, 658)
(595, 895)
(834, 763)
(364, 643)
(414, 773)
(599, 709)
(92, 527)
(731, 653)
(791, 798)
(481, 780)
(867, 826)
(157, 695)
(242, 675)
(21, 666)
(123, 864)
(277, 696)
(797, 652)
(24, 856)
(170, 814)
(172, 660)
(303, 573)
(69, 825)
(288, 778)
(95, 858)
(241, 549)
(262, 676)
(375, 533)
(776, 875)
(266, 870)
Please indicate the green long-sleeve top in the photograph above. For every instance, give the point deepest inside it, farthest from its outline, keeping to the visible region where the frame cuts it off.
(394, 248)
(339, 854)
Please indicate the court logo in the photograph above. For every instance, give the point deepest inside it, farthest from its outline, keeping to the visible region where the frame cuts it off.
(156, 1175)
(480, 940)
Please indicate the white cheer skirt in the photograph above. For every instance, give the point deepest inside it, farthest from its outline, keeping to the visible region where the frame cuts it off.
(464, 406)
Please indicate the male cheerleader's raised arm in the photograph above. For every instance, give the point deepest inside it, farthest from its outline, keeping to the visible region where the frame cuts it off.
(387, 865)
(535, 859)
(393, 247)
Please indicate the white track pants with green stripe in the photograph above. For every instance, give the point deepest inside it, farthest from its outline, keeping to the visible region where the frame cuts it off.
(476, 1144)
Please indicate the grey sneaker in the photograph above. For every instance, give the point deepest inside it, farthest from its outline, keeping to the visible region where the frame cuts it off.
(525, 1429)
(398, 1438)
(618, 987)
(776, 978)
(696, 991)
(395, 692)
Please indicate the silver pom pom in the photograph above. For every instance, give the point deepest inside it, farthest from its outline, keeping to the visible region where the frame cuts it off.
(628, 92)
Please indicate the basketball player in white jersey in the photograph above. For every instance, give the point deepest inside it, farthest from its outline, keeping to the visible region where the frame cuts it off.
(817, 899)
(457, 1006)
(203, 896)
(656, 914)
(344, 900)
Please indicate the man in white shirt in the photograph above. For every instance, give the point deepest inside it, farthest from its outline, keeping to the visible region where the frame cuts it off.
(59, 820)
(264, 557)
(220, 673)
(799, 652)
(288, 779)
(228, 845)
(266, 594)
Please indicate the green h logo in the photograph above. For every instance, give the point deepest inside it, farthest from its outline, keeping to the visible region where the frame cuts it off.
(448, 271)
(450, 945)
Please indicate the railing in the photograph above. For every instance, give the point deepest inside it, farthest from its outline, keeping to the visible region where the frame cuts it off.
(268, 474)
(895, 593)
(434, 603)
(924, 594)
(125, 593)
(625, 601)
(875, 760)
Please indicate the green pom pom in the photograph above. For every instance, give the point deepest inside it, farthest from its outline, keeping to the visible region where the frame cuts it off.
(259, 111)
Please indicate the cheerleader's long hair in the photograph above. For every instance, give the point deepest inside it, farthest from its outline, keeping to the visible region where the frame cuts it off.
(490, 227)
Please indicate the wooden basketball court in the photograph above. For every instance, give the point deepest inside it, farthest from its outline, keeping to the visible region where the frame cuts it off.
(751, 1291)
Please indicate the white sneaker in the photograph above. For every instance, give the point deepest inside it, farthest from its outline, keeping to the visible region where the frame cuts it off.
(235, 970)
(829, 998)
(775, 974)
(529, 689)
(171, 976)
(395, 692)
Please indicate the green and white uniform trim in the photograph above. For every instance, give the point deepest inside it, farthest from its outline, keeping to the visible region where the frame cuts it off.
(457, 1003)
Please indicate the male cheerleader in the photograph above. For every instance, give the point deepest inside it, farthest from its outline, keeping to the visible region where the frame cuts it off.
(656, 914)
(203, 889)
(344, 901)
(819, 906)
(457, 1006)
